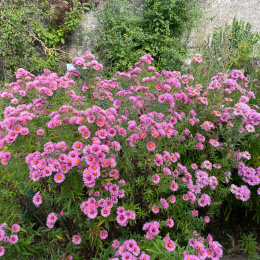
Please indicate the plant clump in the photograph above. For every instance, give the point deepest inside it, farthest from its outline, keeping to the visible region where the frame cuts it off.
(132, 167)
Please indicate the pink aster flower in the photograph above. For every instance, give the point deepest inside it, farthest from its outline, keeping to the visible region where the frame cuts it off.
(101, 134)
(200, 146)
(122, 182)
(155, 209)
(154, 230)
(122, 131)
(158, 161)
(185, 197)
(156, 178)
(122, 219)
(15, 228)
(76, 239)
(142, 135)
(130, 214)
(195, 213)
(204, 200)
(159, 87)
(170, 222)
(167, 171)
(2, 235)
(169, 245)
(92, 213)
(136, 250)
(164, 203)
(127, 255)
(82, 129)
(59, 177)
(105, 212)
(174, 186)
(121, 250)
(197, 58)
(2, 251)
(86, 134)
(116, 145)
(172, 199)
(14, 101)
(173, 157)
(24, 131)
(13, 239)
(206, 219)
(244, 99)
(206, 164)
(95, 149)
(144, 256)
(115, 244)
(139, 104)
(214, 142)
(146, 226)
(175, 174)
(149, 235)
(130, 244)
(250, 128)
(103, 234)
(2, 226)
(40, 131)
(150, 146)
(37, 199)
(217, 166)
(194, 166)
(77, 145)
(51, 219)
(190, 257)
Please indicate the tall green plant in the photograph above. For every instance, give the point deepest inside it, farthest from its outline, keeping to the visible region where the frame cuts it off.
(232, 47)
(127, 31)
(249, 244)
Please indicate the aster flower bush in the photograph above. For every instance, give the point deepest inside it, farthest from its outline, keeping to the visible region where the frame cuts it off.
(131, 167)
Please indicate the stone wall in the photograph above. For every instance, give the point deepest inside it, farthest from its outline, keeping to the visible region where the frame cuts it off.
(223, 11)
(217, 13)
(79, 41)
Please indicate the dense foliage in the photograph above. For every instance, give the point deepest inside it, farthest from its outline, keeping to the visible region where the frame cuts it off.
(133, 167)
(127, 30)
(32, 34)
(234, 46)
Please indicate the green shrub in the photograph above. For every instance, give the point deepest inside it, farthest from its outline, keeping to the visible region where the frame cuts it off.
(126, 31)
(149, 162)
(232, 47)
(249, 244)
(31, 38)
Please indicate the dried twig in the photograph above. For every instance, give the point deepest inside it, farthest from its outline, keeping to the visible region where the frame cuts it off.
(46, 49)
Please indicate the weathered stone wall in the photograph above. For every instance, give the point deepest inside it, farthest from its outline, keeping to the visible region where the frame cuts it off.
(79, 41)
(217, 13)
(224, 11)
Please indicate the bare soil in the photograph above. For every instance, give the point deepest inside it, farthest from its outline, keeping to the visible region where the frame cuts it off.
(235, 257)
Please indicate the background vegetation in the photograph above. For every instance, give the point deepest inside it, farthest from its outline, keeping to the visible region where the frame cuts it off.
(33, 34)
(234, 46)
(128, 30)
